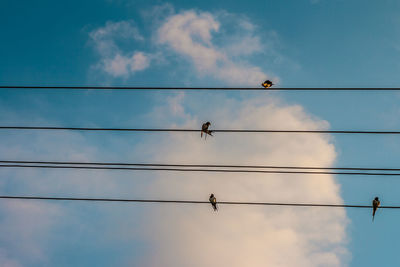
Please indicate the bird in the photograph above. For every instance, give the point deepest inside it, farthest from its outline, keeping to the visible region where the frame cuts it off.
(267, 84)
(213, 202)
(375, 205)
(204, 129)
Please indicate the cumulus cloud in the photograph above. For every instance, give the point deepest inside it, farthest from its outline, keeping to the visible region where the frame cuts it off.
(238, 236)
(186, 235)
(114, 61)
(122, 66)
(220, 45)
(106, 38)
(190, 235)
(25, 241)
(30, 231)
(190, 34)
(247, 236)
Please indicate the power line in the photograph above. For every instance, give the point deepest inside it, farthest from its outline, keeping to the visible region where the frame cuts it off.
(193, 130)
(194, 202)
(196, 165)
(195, 170)
(161, 88)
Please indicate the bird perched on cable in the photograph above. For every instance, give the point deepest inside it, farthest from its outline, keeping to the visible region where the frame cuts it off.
(267, 84)
(204, 129)
(375, 205)
(213, 202)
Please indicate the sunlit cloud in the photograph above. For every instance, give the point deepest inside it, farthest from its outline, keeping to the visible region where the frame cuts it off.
(113, 59)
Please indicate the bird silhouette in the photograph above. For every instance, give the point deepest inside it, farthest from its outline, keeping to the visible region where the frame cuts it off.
(375, 205)
(213, 202)
(204, 129)
(267, 84)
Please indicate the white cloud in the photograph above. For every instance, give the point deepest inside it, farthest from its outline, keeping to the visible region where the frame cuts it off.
(122, 65)
(246, 236)
(114, 60)
(106, 37)
(188, 235)
(25, 230)
(190, 34)
(194, 235)
(219, 45)
(118, 66)
(139, 62)
(239, 236)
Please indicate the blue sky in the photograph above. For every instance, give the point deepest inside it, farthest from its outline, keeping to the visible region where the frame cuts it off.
(296, 43)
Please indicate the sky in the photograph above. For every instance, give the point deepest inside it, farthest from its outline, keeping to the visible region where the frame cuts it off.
(295, 43)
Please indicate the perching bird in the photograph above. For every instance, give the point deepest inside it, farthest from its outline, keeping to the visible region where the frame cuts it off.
(375, 205)
(204, 129)
(267, 84)
(213, 202)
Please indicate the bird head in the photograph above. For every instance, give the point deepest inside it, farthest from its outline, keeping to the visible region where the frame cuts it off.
(377, 198)
(212, 195)
(208, 123)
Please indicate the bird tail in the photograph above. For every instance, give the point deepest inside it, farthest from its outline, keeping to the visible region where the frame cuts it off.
(215, 207)
(373, 215)
(201, 135)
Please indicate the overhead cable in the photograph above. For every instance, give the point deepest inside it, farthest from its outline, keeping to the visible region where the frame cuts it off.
(196, 165)
(195, 130)
(195, 170)
(193, 202)
(163, 88)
